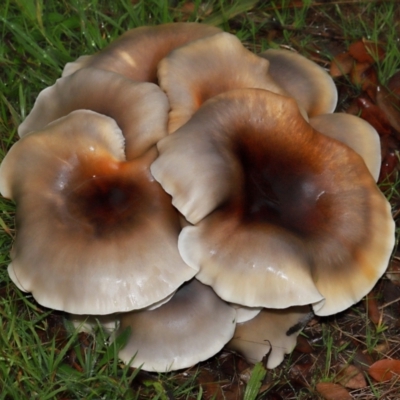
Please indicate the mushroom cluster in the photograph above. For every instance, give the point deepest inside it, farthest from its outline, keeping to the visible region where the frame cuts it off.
(199, 193)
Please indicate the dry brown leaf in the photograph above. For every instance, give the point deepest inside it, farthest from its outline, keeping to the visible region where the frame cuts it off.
(342, 64)
(332, 391)
(384, 370)
(302, 345)
(373, 311)
(389, 103)
(394, 84)
(390, 162)
(374, 115)
(351, 377)
(357, 73)
(369, 82)
(365, 51)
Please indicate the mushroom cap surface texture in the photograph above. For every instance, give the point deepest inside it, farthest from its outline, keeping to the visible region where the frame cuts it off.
(283, 215)
(303, 79)
(271, 331)
(204, 68)
(193, 326)
(95, 234)
(355, 133)
(137, 52)
(139, 108)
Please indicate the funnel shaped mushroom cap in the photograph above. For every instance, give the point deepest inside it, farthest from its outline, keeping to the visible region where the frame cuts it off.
(193, 326)
(140, 109)
(355, 133)
(270, 330)
(96, 234)
(275, 204)
(207, 67)
(137, 52)
(304, 80)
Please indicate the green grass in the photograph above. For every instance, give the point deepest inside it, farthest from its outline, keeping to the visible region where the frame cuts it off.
(41, 356)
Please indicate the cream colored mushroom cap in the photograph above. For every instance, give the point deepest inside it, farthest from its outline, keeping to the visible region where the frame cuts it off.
(306, 81)
(95, 234)
(193, 326)
(273, 331)
(204, 68)
(140, 109)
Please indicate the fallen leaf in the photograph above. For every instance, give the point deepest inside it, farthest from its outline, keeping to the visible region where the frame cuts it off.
(302, 345)
(333, 391)
(389, 165)
(384, 370)
(365, 51)
(369, 82)
(341, 65)
(351, 377)
(394, 84)
(390, 161)
(372, 308)
(357, 73)
(389, 103)
(374, 115)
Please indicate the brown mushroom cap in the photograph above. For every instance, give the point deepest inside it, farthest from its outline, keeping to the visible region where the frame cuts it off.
(355, 133)
(96, 234)
(206, 67)
(275, 203)
(137, 52)
(273, 331)
(193, 326)
(304, 80)
(140, 109)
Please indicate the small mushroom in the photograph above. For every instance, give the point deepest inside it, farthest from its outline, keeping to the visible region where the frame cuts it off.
(140, 109)
(137, 52)
(283, 214)
(206, 67)
(95, 234)
(304, 80)
(244, 314)
(271, 332)
(193, 326)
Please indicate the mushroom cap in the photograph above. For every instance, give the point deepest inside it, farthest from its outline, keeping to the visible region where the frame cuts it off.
(137, 52)
(140, 109)
(244, 314)
(355, 133)
(306, 81)
(274, 203)
(273, 331)
(96, 234)
(205, 68)
(193, 326)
